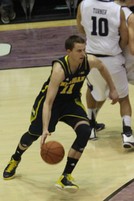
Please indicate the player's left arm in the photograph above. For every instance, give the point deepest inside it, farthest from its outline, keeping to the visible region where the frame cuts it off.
(78, 20)
(131, 33)
(94, 62)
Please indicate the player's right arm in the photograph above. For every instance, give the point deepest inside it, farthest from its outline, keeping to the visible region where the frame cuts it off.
(78, 20)
(57, 77)
(123, 30)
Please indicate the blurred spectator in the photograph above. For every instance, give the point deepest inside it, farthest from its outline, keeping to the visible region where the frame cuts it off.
(7, 11)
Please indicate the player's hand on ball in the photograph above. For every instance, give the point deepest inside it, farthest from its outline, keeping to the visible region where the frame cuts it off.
(44, 136)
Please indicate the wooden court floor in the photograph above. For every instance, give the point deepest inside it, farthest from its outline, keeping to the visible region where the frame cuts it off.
(104, 166)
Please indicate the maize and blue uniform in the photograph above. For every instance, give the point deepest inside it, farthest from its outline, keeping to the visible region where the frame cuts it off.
(67, 106)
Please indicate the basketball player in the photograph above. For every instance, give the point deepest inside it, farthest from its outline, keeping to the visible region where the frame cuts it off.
(129, 50)
(103, 23)
(60, 100)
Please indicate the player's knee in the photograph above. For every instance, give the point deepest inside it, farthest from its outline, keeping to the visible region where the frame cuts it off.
(83, 132)
(27, 139)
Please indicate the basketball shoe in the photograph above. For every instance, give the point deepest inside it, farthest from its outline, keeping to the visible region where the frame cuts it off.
(99, 126)
(128, 139)
(65, 183)
(10, 169)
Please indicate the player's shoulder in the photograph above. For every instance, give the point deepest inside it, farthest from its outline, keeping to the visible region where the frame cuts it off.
(91, 57)
(92, 60)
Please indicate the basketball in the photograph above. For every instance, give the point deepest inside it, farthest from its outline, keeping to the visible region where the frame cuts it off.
(52, 152)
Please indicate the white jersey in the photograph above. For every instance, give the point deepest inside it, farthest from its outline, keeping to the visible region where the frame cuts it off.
(101, 21)
(129, 63)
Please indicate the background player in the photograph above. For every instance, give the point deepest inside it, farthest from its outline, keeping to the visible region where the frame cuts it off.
(129, 50)
(103, 23)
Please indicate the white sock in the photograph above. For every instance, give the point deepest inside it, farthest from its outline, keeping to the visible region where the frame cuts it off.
(126, 120)
(92, 111)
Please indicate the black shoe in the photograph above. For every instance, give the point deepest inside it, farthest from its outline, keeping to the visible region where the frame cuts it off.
(99, 126)
(10, 169)
(65, 183)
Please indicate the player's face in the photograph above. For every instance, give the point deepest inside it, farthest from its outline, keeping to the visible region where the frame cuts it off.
(78, 52)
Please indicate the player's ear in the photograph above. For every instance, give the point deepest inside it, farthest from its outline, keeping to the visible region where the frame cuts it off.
(68, 51)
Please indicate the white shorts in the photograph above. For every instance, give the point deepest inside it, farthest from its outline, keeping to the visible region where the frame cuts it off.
(100, 89)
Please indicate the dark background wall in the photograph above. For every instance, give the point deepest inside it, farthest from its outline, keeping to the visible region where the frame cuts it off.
(44, 10)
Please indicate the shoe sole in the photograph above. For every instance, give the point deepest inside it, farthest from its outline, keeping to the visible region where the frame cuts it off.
(67, 189)
(9, 178)
(93, 139)
(128, 145)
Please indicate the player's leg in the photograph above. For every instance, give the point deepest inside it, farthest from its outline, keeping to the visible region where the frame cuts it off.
(25, 141)
(66, 180)
(125, 108)
(96, 94)
(93, 108)
(76, 117)
(119, 77)
(35, 130)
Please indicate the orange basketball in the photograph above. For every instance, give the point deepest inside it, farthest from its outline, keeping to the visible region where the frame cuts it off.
(52, 152)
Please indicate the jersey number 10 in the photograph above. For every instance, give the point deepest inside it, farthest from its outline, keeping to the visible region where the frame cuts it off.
(100, 26)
